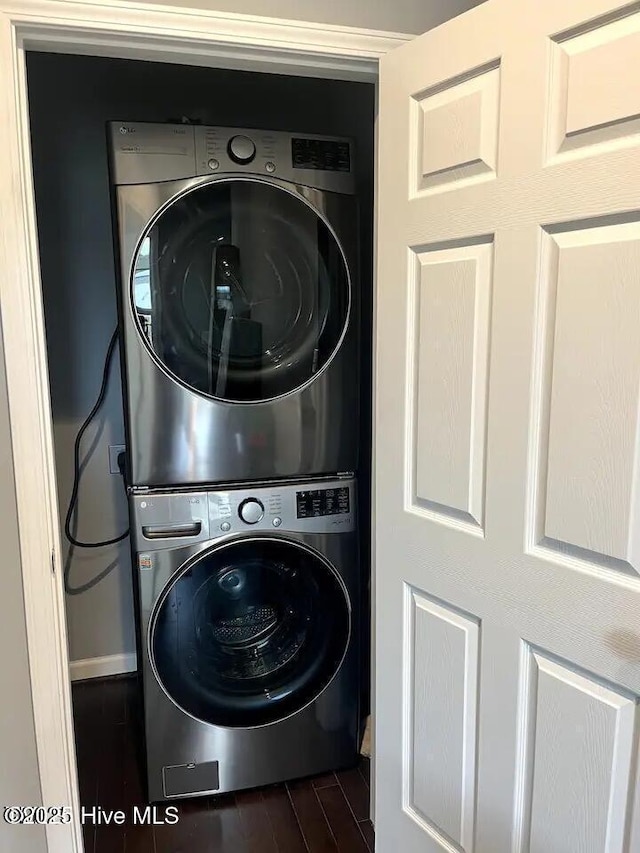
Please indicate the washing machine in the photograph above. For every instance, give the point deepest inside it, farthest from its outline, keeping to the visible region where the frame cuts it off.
(248, 634)
(238, 302)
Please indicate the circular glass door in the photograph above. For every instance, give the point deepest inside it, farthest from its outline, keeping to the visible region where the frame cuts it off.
(250, 633)
(241, 291)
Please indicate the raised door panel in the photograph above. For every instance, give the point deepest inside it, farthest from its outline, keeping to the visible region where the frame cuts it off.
(452, 303)
(592, 101)
(441, 696)
(579, 744)
(456, 132)
(592, 388)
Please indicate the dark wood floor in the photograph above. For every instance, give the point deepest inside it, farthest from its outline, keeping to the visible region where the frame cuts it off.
(319, 815)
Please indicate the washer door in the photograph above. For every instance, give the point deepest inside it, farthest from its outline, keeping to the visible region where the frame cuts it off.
(241, 290)
(250, 633)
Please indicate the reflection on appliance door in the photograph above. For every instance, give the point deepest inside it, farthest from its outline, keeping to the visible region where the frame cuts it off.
(248, 294)
(232, 333)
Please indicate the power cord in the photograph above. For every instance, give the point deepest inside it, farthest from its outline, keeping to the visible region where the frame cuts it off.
(73, 500)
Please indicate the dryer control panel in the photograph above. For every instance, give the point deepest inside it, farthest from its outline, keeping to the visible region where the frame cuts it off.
(146, 152)
(165, 519)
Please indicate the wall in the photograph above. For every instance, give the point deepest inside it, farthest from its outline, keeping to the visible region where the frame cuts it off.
(71, 98)
(401, 16)
(19, 780)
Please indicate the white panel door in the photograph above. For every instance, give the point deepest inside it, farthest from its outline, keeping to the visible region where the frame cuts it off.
(508, 433)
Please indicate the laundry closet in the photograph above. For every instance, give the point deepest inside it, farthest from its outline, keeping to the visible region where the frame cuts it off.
(224, 213)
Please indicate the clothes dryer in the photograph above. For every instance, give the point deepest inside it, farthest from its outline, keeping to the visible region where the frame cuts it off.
(238, 296)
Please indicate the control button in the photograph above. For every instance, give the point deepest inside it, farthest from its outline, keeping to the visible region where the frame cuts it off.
(277, 521)
(241, 149)
(213, 163)
(225, 527)
(251, 511)
(270, 167)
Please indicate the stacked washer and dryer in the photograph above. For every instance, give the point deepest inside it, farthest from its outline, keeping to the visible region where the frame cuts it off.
(239, 336)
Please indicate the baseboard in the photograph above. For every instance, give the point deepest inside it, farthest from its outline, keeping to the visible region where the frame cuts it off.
(100, 667)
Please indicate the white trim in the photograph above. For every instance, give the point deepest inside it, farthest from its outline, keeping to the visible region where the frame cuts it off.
(32, 445)
(103, 666)
(120, 29)
(198, 37)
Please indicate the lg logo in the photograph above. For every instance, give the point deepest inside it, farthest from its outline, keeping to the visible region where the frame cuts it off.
(124, 129)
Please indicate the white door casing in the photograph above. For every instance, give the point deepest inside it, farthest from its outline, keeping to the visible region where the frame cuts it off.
(507, 433)
(118, 28)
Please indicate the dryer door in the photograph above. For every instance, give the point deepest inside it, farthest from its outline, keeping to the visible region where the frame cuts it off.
(241, 290)
(250, 633)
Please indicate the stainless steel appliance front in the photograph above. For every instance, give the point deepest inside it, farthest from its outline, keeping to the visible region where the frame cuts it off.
(238, 303)
(249, 634)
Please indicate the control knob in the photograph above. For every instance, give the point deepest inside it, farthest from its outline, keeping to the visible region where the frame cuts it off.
(241, 149)
(251, 510)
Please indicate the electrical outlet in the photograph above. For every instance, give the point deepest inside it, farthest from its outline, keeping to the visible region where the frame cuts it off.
(114, 451)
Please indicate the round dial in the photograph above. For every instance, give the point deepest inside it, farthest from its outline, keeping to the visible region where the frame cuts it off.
(251, 510)
(241, 149)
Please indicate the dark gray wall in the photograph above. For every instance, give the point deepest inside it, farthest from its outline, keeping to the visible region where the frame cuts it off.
(70, 99)
(20, 778)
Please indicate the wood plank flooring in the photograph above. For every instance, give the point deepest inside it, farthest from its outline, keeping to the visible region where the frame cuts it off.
(325, 814)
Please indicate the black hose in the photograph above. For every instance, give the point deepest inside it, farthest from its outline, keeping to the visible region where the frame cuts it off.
(76, 457)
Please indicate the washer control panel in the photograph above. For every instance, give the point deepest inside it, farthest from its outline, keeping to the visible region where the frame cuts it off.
(173, 519)
(325, 506)
(316, 503)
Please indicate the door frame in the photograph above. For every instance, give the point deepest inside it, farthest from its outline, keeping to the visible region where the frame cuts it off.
(119, 29)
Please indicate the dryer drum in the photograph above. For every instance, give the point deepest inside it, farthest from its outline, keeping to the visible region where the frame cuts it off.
(241, 290)
(251, 633)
